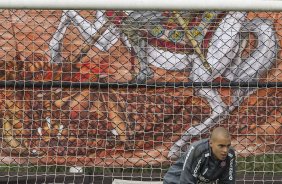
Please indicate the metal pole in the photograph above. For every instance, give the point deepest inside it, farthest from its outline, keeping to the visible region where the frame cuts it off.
(246, 5)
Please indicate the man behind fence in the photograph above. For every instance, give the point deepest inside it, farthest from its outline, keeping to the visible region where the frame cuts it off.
(205, 162)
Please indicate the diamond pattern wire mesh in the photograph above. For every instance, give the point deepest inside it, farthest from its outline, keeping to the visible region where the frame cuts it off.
(135, 126)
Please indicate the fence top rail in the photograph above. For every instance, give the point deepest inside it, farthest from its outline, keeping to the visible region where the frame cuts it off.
(232, 5)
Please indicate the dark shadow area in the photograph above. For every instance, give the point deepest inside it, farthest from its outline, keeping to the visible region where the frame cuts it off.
(36, 178)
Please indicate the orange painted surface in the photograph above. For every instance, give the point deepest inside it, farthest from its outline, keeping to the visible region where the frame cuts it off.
(148, 121)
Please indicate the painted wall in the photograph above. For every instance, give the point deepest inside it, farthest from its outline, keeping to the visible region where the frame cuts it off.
(112, 126)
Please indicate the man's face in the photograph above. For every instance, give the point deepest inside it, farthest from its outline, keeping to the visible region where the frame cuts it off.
(220, 146)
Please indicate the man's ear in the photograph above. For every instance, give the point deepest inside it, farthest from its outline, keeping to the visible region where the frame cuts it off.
(210, 142)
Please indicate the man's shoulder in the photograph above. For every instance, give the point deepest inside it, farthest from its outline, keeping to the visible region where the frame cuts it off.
(201, 146)
(231, 153)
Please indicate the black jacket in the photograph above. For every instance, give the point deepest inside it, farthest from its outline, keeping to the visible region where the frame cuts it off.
(198, 166)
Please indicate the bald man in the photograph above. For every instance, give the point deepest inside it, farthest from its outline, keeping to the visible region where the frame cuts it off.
(205, 162)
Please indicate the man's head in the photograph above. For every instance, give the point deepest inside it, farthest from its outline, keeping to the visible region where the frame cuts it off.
(220, 142)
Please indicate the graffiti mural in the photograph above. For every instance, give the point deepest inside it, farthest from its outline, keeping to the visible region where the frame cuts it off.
(141, 125)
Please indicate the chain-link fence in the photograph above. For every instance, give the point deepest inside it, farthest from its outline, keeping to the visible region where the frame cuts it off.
(122, 93)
